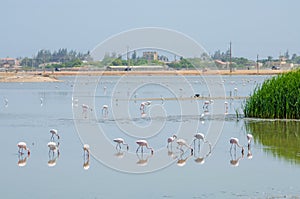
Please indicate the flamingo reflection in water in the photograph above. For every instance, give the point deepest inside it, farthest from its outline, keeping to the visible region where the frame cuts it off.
(53, 147)
(22, 159)
(86, 156)
(181, 160)
(234, 160)
(249, 153)
(143, 159)
(142, 144)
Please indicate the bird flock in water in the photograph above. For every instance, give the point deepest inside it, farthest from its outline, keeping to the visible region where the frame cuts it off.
(54, 153)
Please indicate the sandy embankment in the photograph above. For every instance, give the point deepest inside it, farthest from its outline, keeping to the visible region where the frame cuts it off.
(54, 76)
(26, 77)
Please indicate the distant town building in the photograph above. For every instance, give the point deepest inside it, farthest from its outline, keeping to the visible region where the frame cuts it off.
(150, 55)
(9, 62)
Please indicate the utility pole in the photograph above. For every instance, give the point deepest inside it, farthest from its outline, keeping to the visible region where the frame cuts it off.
(128, 61)
(230, 58)
(257, 66)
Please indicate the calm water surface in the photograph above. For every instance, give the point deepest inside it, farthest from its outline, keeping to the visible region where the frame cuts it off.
(272, 172)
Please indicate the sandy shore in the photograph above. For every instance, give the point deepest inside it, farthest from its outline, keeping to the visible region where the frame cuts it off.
(54, 76)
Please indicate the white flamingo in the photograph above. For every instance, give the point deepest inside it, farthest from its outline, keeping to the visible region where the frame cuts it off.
(120, 141)
(41, 101)
(235, 142)
(54, 133)
(105, 110)
(201, 136)
(170, 140)
(23, 146)
(143, 143)
(85, 108)
(235, 91)
(205, 105)
(249, 138)
(226, 107)
(181, 143)
(5, 102)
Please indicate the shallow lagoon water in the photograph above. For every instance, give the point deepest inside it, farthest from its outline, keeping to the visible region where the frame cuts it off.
(25, 118)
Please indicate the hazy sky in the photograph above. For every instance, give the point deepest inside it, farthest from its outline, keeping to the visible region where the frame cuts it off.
(264, 27)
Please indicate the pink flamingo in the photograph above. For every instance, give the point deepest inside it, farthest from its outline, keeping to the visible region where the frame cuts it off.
(120, 141)
(22, 146)
(170, 140)
(181, 143)
(143, 143)
(144, 104)
(235, 142)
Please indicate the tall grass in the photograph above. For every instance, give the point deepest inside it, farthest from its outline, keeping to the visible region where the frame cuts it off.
(278, 97)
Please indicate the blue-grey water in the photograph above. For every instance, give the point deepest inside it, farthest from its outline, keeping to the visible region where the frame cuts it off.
(29, 110)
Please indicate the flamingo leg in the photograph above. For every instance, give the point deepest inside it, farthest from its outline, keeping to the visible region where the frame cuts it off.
(137, 149)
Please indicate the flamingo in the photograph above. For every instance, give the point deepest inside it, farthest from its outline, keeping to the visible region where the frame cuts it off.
(53, 147)
(54, 132)
(41, 101)
(120, 141)
(226, 107)
(86, 150)
(105, 110)
(143, 143)
(5, 102)
(249, 138)
(144, 104)
(205, 105)
(235, 91)
(170, 140)
(235, 141)
(181, 143)
(22, 146)
(200, 136)
(85, 108)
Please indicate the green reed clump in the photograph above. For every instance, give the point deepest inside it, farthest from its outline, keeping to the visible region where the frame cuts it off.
(278, 97)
